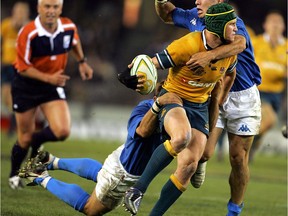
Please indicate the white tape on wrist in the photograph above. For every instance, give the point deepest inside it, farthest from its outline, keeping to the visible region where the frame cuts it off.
(155, 109)
(161, 1)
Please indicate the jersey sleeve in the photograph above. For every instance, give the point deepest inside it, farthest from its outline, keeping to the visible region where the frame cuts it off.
(68, 24)
(186, 18)
(242, 30)
(76, 38)
(136, 117)
(233, 65)
(23, 49)
(177, 53)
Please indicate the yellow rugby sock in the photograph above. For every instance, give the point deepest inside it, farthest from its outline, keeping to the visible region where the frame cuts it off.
(171, 191)
(169, 148)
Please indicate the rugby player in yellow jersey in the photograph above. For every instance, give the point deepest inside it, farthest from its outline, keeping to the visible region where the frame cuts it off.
(270, 49)
(9, 30)
(186, 127)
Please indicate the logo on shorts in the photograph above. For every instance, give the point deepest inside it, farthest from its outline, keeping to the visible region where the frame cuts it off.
(244, 128)
(206, 127)
(163, 112)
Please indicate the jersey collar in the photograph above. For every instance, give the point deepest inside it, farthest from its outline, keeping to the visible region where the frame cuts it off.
(207, 47)
(267, 38)
(43, 32)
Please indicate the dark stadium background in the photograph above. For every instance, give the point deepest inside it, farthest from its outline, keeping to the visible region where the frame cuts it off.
(110, 45)
(100, 109)
(111, 38)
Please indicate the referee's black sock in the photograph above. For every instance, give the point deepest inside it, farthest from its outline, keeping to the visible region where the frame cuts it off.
(18, 154)
(39, 138)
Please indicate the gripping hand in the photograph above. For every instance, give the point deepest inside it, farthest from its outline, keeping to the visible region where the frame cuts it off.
(128, 80)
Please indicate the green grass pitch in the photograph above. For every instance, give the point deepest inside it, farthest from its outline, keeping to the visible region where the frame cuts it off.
(266, 194)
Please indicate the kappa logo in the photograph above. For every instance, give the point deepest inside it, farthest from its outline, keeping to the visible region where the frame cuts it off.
(244, 128)
(193, 21)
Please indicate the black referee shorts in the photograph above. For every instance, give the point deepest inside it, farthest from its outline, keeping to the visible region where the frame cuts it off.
(29, 93)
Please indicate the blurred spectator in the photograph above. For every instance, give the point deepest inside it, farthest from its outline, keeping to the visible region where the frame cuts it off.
(271, 55)
(131, 13)
(9, 30)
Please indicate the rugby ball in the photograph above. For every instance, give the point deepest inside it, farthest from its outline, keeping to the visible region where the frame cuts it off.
(143, 65)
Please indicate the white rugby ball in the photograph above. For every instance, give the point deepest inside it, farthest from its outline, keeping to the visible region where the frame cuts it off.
(143, 65)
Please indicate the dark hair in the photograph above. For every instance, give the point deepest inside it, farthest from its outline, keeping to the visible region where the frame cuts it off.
(226, 1)
(274, 11)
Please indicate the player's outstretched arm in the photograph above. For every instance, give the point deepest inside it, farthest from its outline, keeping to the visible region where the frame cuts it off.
(164, 10)
(201, 59)
(214, 104)
(228, 81)
(150, 120)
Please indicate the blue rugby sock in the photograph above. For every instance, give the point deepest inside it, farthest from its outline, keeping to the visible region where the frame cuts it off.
(71, 194)
(84, 167)
(169, 194)
(234, 209)
(158, 161)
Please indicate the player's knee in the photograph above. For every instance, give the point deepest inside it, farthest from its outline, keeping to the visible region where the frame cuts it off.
(62, 134)
(237, 160)
(188, 166)
(25, 140)
(180, 141)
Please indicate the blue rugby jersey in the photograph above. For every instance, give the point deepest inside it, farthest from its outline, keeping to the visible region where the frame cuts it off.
(248, 72)
(137, 151)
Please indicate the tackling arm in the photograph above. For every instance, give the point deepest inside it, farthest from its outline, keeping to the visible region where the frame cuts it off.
(214, 105)
(228, 81)
(201, 59)
(150, 120)
(164, 10)
(218, 97)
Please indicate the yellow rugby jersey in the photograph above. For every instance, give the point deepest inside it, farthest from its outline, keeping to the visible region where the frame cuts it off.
(8, 37)
(194, 86)
(272, 63)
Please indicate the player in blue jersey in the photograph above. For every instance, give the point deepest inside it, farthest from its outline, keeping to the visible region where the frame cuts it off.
(240, 114)
(121, 169)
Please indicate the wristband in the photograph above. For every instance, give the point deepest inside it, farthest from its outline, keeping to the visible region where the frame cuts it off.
(157, 103)
(161, 1)
(155, 109)
(81, 61)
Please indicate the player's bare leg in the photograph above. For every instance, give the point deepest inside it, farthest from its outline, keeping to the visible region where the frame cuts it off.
(239, 177)
(187, 161)
(94, 206)
(198, 177)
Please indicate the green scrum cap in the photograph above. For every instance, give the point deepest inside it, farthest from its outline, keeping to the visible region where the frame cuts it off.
(217, 17)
